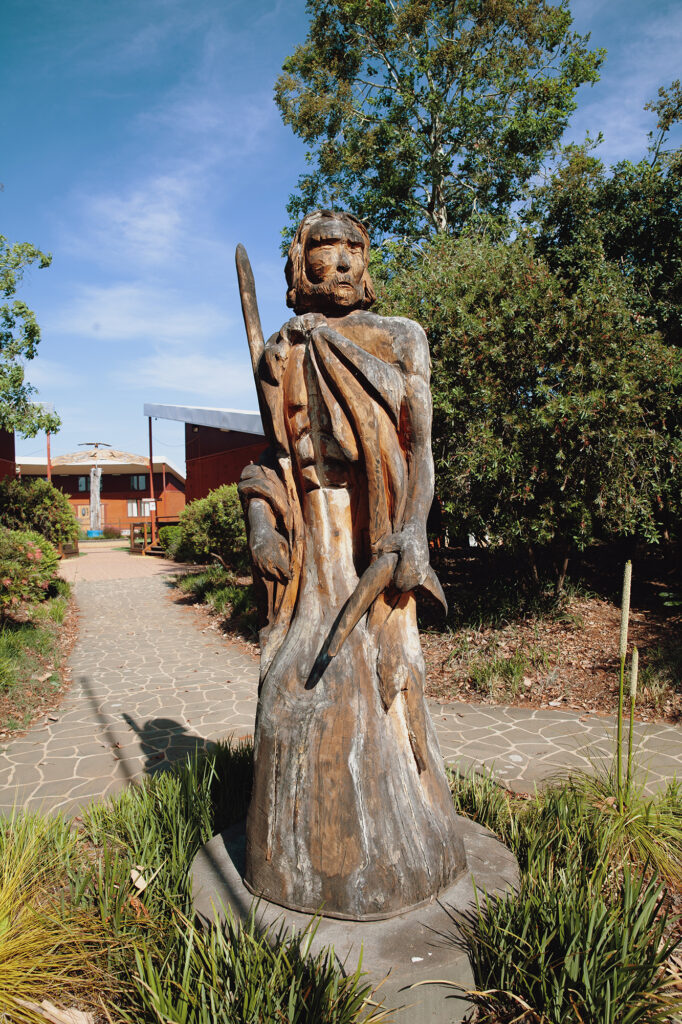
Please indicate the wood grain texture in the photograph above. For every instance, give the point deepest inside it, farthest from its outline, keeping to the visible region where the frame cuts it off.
(351, 813)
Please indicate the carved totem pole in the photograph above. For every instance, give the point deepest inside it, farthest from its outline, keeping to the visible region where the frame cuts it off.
(351, 814)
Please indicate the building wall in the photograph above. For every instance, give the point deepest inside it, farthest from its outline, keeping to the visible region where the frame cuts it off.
(215, 457)
(116, 493)
(7, 463)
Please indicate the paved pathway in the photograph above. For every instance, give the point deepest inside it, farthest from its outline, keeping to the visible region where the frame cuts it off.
(150, 685)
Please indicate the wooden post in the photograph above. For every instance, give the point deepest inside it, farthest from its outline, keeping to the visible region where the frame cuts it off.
(49, 460)
(151, 487)
(95, 507)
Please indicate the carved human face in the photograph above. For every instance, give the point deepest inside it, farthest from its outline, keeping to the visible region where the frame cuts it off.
(335, 263)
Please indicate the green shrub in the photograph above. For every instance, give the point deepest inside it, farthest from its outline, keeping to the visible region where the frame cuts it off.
(37, 505)
(174, 547)
(28, 568)
(214, 527)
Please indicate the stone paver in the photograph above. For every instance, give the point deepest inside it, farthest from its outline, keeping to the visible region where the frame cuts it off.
(150, 685)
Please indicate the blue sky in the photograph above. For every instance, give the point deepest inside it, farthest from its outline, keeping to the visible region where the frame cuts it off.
(141, 143)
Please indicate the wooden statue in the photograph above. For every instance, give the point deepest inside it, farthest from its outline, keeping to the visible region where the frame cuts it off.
(351, 814)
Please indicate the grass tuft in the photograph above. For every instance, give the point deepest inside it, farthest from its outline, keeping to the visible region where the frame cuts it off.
(44, 952)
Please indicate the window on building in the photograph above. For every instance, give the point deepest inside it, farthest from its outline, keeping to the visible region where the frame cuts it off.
(147, 507)
(138, 482)
(132, 509)
(84, 483)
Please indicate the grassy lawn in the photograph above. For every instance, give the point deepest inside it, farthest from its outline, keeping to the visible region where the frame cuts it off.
(31, 652)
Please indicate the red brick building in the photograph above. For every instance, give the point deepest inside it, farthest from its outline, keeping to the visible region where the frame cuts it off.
(218, 443)
(125, 494)
(7, 460)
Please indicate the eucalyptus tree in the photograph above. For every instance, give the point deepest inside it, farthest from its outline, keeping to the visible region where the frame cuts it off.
(418, 113)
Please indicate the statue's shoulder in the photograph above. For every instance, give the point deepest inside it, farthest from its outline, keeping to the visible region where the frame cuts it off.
(394, 338)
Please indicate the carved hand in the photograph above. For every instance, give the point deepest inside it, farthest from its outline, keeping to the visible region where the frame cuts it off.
(269, 548)
(299, 328)
(412, 547)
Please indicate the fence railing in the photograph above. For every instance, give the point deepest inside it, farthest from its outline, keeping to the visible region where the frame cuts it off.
(142, 535)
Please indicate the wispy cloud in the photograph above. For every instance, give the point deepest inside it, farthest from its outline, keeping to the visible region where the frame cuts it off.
(142, 227)
(215, 378)
(635, 68)
(140, 312)
(49, 375)
(226, 127)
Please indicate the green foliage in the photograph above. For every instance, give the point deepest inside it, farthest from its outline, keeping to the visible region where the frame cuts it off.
(162, 824)
(218, 588)
(171, 540)
(28, 566)
(586, 935)
(214, 527)
(19, 338)
(23, 645)
(235, 974)
(628, 216)
(37, 505)
(550, 405)
(232, 974)
(420, 114)
(574, 945)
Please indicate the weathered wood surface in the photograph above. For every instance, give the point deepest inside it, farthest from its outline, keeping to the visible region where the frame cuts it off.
(351, 812)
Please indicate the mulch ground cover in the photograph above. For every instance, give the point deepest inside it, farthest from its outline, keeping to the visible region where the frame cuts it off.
(491, 651)
(43, 681)
(566, 657)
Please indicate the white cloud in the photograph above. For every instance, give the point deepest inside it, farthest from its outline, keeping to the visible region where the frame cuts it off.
(144, 227)
(48, 375)
(216, 378)
(226, 127)
(129, 312)
(646, 57)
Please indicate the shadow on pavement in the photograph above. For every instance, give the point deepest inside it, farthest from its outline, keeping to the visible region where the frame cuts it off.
(165, 742)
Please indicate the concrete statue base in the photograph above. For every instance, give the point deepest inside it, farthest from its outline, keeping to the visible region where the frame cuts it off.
(422, 944)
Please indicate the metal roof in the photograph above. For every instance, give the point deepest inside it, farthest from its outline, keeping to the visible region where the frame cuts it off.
(203, 416)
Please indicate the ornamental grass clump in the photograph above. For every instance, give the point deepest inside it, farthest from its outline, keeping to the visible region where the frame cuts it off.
(235, 974)
(573, 945)
(47, 949)
(137, 880)
(587, 934)
(645, 829)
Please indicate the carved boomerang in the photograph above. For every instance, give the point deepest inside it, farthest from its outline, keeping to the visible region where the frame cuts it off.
(371, 584)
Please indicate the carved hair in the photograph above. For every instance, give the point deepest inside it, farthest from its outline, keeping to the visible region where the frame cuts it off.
(299, 286)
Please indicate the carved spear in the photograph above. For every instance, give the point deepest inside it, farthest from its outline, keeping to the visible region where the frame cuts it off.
(247, 293)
